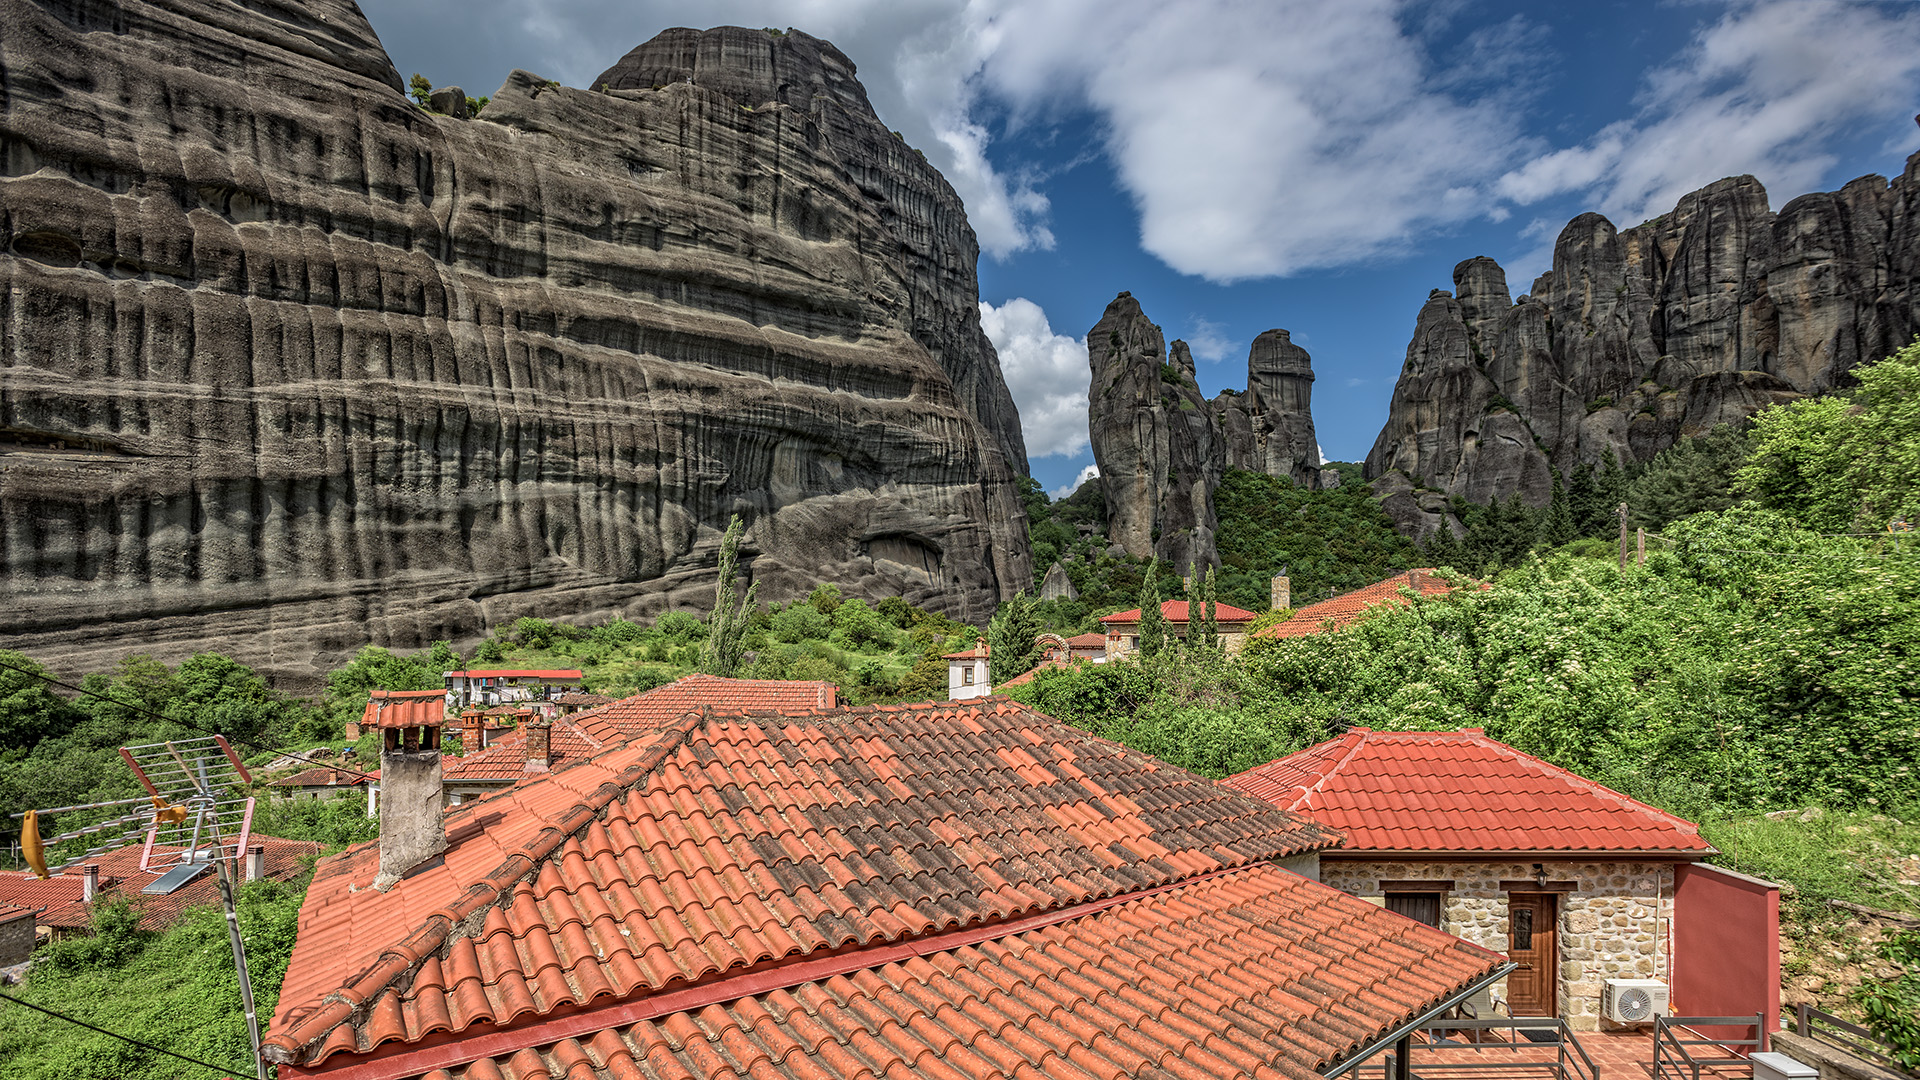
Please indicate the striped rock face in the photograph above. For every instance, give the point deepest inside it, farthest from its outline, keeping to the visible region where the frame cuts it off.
(289, 363)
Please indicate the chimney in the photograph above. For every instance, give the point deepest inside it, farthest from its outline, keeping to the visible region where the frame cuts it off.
(256, 862)
(411, 831)
(539, 741)
(89, 882)
(473, 732)
(1282, 592)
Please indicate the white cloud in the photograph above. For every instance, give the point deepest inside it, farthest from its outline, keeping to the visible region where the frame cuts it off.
(1765, 90)
(1073, 485)
(1046, 372)
(1208, 341)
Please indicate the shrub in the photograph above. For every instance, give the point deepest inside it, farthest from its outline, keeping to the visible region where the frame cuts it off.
(858, 627)
(799, 622)
(681, 626)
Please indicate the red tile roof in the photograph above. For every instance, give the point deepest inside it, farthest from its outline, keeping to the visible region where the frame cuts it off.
(1027, 676)
(1459, 791)
(980, 651)
(506, 757)
(120, 875)
(29, 891)
(324, 777)
(664, 705)
(1176, 611)
(514, 673)
(1346, 609)
(405, 708)
(1092, 639)
(730, 842)
(1253, 973)
(10, 912)
(582, 698)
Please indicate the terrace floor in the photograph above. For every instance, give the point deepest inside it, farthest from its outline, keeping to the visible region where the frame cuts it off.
(1617, 1055)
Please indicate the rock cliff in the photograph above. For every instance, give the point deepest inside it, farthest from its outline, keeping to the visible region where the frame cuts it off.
(288, 364)
(1636, 339)
(1162, 448)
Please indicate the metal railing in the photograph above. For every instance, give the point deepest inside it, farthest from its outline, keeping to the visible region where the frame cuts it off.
(1672, 1050)
(1838, 1033)
(1569, 1062)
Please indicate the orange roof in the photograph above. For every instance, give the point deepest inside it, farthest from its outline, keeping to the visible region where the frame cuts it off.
(1176, 611)
(979, 652)
(325, 777)
(1092, 639)
(1252, 973)
(405, 708)
(1342, 610)
(724, 844)
(663, 705)
(120, 875)
(29, 891)
(1027, 676)
(1459, 791)
(506, 757)
(514, 673)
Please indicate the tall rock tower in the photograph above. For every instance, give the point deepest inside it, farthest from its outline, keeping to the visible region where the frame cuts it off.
(1154, 439)
(1280, 401)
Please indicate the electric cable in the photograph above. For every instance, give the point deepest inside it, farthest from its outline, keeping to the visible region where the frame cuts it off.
(129, 1039)
(182, 723)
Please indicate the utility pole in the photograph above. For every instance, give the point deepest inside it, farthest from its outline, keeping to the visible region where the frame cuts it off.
(1623, 538)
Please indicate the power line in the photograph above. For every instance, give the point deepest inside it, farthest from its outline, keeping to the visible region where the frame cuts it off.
(129, 1039)
(182, 723)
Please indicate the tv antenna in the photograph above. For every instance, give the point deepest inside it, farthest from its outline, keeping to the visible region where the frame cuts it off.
(197, 816)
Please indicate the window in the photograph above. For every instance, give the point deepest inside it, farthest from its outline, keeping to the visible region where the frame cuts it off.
(1421, 907)
(966, 675)
(1522, 929)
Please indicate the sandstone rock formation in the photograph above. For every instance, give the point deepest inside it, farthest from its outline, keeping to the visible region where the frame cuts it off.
(1153, 438)
(1636, 339)
(1162, 448)
(288, 364)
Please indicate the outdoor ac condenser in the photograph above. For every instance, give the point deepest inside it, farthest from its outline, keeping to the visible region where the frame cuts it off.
(1633, 1001)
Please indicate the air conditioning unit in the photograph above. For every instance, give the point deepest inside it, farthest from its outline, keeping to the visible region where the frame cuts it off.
(1633, 1001)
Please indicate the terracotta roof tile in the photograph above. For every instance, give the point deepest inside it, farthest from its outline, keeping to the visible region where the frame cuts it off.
(727, 842)
(1092, 639)
(1346, 609)
(1459, 791)
(505, 758)
(405, 708)
(665, 705)
(29, 891)
(1176, 611)
(1253, 973)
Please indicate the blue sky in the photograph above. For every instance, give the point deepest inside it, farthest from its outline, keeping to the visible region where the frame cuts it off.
(1309, 165)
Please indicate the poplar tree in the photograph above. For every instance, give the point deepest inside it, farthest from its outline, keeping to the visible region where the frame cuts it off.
(727, 625)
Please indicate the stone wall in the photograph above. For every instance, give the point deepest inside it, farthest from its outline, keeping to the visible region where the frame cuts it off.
(16, 937)
(1614, 925)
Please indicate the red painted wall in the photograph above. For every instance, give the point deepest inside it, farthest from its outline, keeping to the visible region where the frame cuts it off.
(1726, 947)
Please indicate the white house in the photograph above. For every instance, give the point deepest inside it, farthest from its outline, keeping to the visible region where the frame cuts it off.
(967, 674)
(500, 686)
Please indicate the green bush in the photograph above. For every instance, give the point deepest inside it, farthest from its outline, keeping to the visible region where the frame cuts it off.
(681, 627)
(799, 622)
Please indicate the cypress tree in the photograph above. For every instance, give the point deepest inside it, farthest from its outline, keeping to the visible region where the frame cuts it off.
(727, 625)
(1153, 624)
(1011, 639)
(1210, 627)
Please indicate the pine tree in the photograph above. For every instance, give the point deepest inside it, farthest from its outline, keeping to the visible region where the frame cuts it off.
(1153, 624)
(1609, 491)
(727, 626)
(1556, 522)
(419, 88)
(1013, 648)
(1582, 500)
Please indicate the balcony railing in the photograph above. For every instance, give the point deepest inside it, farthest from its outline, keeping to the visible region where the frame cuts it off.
(1498, 1043)
(1830, 1029)
(1678, 1046)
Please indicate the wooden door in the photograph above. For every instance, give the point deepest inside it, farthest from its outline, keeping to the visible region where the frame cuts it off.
(1532, 944)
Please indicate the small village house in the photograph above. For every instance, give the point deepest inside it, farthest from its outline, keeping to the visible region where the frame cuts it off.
(1347, 608)
(967, 673)
(488, 687)
(64, 903)
(1122, 628)
(1574, 882)
(379, 701)
(323, 782)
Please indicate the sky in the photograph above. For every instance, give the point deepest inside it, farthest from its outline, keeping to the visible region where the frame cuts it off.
(1240, 165)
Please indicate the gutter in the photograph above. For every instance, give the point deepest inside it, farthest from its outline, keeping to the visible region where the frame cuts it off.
(1385, 1042)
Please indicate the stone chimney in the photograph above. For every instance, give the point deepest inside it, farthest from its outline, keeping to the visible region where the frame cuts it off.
(1282, 592)
(256, 862)
(539, 743)
(411, 831)
(473, 732)
(89, 882)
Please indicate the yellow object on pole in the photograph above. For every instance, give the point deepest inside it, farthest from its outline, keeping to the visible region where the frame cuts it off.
(167, 815)
(30, 847)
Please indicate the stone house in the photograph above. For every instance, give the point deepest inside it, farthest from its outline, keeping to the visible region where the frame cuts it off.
(1123, 627)
(487, 687)
(1573, 881)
